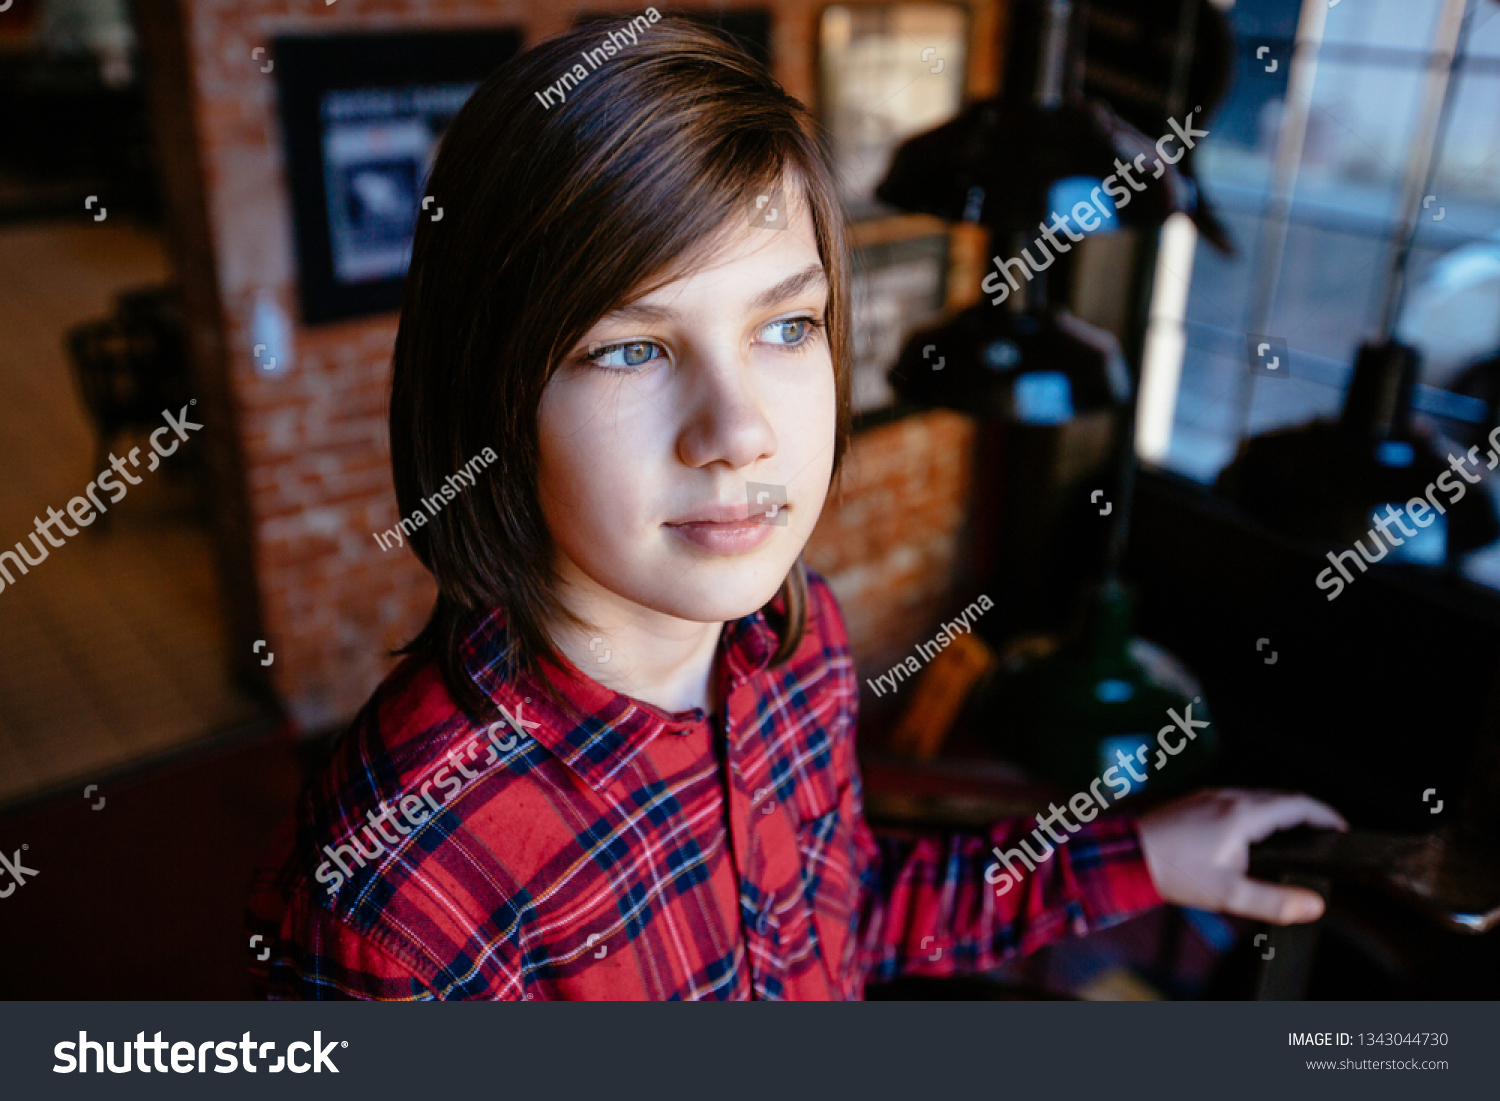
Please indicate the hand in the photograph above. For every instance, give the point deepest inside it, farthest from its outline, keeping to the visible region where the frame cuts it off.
(1197, 849)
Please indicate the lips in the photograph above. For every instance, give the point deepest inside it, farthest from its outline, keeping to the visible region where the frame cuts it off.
(722, 529)
(716, 514)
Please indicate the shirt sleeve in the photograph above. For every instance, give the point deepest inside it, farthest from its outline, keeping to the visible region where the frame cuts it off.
(314, 953)
(926, 907)
(320, 958)
(310, 953)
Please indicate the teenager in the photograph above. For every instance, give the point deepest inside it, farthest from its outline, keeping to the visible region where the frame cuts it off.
(618, 761)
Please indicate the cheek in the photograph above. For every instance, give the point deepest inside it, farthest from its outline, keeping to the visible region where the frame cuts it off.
(589, 471)
(805, 422)
(567, 453)
(826, 405)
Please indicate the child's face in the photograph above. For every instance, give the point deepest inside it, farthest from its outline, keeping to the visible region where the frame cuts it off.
(713, 381)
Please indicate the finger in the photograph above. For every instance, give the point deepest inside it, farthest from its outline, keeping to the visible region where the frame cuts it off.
(1278, 905)
(1269, 813)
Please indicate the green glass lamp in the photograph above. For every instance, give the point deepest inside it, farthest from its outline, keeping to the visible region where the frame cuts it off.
(1104, 705)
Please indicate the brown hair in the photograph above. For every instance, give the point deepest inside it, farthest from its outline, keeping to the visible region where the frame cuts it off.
(553, 217)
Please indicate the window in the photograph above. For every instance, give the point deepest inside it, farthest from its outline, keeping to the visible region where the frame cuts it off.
(1370, 114)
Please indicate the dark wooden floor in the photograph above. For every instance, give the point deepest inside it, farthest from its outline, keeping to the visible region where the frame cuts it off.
(113, 649)
(145, 897)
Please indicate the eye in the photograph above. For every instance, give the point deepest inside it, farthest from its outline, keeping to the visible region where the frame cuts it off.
(634, 353)
(792, 331)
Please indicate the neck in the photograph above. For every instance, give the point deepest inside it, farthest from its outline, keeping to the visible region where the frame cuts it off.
(635, 650)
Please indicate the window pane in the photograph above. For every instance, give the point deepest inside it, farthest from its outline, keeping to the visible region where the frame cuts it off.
(1484, 34)
(1390, 24)
(1452, 311)
(1359, 134)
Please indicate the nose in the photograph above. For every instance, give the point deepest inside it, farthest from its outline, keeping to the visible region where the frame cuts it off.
(726, 422)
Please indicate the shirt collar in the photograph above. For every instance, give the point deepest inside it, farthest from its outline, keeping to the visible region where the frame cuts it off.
(598, 730)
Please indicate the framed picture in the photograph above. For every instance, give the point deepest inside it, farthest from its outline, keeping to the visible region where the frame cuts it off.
(361, 116)
(898, 287)
(886, 72)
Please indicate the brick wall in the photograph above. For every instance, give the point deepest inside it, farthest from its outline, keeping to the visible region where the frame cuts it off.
(893, 540)
(301, 456)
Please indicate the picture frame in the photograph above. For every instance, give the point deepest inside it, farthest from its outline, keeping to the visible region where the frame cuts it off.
(361, 116)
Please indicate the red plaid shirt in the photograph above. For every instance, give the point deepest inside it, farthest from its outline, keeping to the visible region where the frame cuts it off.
(640, 853)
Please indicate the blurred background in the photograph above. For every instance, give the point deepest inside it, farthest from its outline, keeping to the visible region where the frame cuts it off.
(1143, 457)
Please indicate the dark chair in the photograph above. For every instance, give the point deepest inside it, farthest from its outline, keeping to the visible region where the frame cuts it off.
(131, 366)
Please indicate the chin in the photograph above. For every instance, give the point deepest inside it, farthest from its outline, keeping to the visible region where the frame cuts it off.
(722, 591)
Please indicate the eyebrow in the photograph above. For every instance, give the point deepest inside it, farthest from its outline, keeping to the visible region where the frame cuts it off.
(791, 286)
